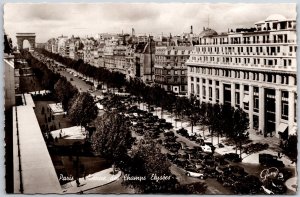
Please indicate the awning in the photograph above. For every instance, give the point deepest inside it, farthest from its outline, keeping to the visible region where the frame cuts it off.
(282, 127)
(246, 99)
(293, 131)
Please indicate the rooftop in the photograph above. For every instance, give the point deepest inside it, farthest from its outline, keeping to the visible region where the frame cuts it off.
(56, 108)
(38, 173)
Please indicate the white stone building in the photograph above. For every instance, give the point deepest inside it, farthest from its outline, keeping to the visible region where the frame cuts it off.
(254, 69)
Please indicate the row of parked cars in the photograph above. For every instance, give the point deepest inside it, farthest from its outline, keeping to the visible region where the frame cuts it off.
(202, 164)
(199, 161)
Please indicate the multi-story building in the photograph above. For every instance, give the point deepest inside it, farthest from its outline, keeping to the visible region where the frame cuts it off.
(170, 69)
(61, 45)
(254, 69)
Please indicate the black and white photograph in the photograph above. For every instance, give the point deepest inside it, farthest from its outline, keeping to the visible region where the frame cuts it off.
(150, 98)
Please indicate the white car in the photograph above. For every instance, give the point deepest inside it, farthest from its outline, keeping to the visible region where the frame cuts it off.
(206, 149)
(193, 173)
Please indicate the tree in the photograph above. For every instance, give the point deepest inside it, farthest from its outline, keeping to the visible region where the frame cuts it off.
(216, 120)
(290, 147)
(64, 92)
(240, 126)
(192, 112)
(180, 106)
(112, 137)
(7, 45)
(82, 110)
(149, 163)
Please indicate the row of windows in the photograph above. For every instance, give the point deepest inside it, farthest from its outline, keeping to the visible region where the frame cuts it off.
(174, 52)
(284, 97)
(257, 61)
(171, 79)
(278, 38)
(248, 75)
(169, 72)
(270, 50)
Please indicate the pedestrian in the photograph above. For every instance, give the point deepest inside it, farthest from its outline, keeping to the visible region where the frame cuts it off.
(77, 182)
(260, 132)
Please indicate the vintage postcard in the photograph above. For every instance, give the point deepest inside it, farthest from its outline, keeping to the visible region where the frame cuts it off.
(150, 98)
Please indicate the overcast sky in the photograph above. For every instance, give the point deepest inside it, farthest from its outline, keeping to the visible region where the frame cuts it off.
(52, 20)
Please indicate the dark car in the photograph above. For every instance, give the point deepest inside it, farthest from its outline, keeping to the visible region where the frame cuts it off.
(233, 157)
(183, 132)
(270, 160)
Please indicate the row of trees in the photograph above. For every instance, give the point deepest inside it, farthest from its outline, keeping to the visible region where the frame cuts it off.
(46, 77)
(80, 106)
(113, 140)
(112, 79)
(219, 119)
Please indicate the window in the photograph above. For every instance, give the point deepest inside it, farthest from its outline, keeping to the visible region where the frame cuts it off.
(256, 104)
(192, 88)
(198, 89)
(237, 99)
(192, 78)
(285, 94)
(204, 92)
(237, 86)
(210, 93)
(197, 79)
(175, 72)
(217, 94)
(246, 88)
(284, 110)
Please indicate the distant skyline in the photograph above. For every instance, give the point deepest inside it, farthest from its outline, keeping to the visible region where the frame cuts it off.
(53, 20)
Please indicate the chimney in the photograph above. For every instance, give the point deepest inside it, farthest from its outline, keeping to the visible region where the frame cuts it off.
(191, 29)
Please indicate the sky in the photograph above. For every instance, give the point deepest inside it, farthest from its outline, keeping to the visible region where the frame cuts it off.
(53, 20)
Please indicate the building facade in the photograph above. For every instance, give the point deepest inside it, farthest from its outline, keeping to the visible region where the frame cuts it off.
(254, 69)
(170, 69)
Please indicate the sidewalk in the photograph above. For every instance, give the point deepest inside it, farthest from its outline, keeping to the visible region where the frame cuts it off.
(292, 184)
(97, 179)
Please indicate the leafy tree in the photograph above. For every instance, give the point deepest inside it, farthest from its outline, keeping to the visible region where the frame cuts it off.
(192, 112)
(216, 120)
(148, 162)
(112, 137)
(240, 126)
(7, 45)
(64, 92)
(82, 109)
(290, 147)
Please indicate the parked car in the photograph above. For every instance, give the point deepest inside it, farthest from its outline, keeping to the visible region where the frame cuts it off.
(195, 173)
(183, 132)
(270, 160)
(206, 149)
(233, 157)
